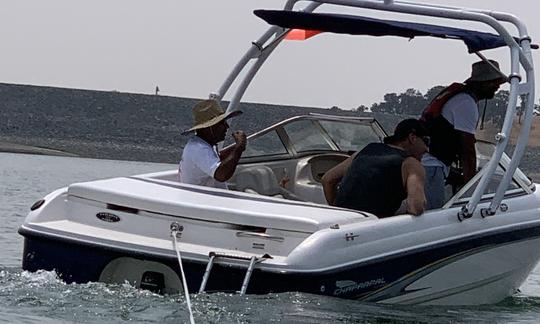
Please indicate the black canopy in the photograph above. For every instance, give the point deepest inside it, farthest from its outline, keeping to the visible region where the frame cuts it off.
(356, 25)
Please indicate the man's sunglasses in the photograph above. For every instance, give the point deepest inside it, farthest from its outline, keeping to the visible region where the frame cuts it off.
(426, 139)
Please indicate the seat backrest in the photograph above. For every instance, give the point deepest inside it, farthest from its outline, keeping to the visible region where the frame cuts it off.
(259, 178)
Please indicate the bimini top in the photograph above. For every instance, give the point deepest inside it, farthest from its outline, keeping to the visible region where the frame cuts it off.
(357, 25)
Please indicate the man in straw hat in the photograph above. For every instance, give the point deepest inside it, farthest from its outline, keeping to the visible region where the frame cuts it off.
(379, 177)
(201, 163)
(451, 119)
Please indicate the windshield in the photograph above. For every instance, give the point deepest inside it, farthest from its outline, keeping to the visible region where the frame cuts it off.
(264, 145)
(350, 137)
(314, 133)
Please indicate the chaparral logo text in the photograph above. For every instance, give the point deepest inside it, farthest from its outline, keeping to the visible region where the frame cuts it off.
(347, 286)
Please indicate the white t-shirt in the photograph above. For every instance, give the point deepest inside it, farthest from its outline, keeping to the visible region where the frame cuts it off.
(199, 163)
(462, 112)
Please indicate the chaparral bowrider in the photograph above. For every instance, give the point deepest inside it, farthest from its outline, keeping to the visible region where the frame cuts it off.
(260, 237)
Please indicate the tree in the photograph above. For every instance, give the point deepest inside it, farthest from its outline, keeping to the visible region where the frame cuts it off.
(390, 104)
(521, 108)
(496, 107)
(433, 92)
(412, 102)
(361, 109)
(376, 108)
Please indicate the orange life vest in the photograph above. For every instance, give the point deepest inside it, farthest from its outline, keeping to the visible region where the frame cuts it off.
(445, 141)
(434, 109)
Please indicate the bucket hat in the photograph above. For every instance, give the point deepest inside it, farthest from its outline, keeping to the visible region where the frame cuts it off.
(208, 113)
(486, 71)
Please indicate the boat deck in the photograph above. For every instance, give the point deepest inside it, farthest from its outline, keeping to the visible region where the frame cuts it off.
(216, 205)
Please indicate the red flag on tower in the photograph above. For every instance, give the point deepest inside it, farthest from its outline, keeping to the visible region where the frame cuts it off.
(301, 34)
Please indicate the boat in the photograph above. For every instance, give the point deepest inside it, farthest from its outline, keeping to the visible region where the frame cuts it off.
(260, 237)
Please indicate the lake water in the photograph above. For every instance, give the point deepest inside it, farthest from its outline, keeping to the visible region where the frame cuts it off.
(42, 298)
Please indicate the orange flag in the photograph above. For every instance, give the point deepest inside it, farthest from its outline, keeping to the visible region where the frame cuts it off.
(301, 34)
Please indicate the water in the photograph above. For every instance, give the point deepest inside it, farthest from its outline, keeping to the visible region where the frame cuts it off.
(42, 298)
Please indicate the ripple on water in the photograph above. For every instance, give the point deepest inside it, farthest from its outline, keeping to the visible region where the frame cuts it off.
(43, 295)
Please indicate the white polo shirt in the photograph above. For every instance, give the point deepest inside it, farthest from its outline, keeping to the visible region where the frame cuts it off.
(199, 163)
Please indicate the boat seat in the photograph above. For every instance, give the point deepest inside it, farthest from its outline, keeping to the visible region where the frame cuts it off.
(261, 180)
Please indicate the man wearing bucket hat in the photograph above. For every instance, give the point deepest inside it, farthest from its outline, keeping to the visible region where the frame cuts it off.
(380, 176)
(201, 163)
(451, 119)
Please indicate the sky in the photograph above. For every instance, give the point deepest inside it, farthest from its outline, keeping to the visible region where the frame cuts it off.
(188, 47)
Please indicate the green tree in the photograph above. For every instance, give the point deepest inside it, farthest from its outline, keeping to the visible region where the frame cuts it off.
(496, 107)
(390, 105)
(411, 102)
(361, 109)
(433, 92)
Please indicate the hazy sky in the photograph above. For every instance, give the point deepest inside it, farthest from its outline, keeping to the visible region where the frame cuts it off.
(188, 47)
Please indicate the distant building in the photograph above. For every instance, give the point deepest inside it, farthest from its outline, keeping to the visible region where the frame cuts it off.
(157, 90)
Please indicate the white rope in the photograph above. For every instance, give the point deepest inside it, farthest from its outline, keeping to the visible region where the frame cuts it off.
(186, 291)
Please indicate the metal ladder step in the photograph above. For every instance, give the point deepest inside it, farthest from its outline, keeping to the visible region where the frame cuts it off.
(252, 261)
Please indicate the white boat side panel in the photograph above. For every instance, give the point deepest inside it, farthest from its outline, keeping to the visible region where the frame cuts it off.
(214, 204)
(464, 281)
(82, 233)
(391, 236)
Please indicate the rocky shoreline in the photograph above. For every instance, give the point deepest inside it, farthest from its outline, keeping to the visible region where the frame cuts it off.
(110, 125)
(125, 126)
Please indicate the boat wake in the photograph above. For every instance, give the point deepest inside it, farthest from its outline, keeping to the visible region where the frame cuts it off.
(48, 297)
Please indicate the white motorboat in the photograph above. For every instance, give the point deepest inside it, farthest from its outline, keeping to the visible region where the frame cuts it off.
(261, 238)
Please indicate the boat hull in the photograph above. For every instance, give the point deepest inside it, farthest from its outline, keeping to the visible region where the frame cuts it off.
(476, 269)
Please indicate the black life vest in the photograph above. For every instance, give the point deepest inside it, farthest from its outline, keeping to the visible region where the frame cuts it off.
(374, 182)
(445, 140)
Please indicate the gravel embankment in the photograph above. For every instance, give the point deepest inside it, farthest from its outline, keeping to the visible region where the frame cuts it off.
(125, 126)
(110, 125)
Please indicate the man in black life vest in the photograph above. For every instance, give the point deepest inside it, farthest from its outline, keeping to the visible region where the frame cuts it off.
(380, 176)
(451, 120)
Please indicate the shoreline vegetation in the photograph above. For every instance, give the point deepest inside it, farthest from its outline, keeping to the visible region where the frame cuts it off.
(137, 127)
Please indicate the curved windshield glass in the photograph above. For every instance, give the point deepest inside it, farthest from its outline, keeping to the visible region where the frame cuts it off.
(306, 136)
(349, 136)
(314, 133)
(265, 144)
(335, 135)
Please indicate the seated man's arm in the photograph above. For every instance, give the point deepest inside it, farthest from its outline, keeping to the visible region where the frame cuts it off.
(230, 159)
(414, 176)
(332, 177)
(468, 155)
(225, 152)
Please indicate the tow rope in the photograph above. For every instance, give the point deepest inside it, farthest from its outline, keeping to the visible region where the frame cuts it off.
(175, 230)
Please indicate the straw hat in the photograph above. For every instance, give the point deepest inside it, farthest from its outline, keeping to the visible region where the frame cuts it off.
(208, 113)
(484, 71)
